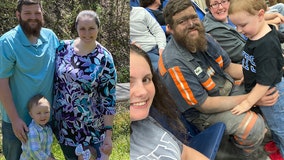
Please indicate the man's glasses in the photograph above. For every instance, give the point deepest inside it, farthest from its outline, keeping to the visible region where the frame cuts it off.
(216, 5)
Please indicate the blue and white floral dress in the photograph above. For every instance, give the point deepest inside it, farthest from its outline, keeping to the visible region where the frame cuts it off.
(84, 91)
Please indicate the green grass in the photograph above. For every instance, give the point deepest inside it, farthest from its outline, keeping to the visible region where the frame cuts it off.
(56, 150)
(121, 136)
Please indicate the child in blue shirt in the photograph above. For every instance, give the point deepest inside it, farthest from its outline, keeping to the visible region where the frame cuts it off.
(38, 146)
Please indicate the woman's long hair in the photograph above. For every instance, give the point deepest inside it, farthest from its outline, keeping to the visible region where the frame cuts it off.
(163, 102)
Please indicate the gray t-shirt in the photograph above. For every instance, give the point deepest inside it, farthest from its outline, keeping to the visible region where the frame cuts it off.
(149, 141)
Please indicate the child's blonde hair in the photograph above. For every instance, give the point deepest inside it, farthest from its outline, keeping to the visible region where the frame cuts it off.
(250, 6)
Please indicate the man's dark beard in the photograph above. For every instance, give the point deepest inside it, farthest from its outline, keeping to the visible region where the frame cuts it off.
(193, 45)
(31, 31)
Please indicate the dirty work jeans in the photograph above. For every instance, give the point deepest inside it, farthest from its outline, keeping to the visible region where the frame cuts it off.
(233, 122)
(274, 117)
(11, 144)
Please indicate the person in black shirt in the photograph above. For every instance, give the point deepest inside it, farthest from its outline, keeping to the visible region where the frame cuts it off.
(262, 65)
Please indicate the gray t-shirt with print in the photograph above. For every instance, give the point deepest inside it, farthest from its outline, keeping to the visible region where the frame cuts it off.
(149, 141)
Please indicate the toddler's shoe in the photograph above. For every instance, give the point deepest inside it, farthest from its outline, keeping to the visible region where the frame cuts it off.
(271, 147)
(276, 156)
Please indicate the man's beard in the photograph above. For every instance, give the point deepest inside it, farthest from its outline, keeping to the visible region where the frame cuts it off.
(192, 44)
(31, 31)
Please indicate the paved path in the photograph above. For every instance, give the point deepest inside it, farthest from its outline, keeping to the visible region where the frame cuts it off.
(122, 91)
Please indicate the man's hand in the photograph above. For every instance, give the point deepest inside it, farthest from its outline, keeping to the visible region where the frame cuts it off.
(20, 129)
(270, 98)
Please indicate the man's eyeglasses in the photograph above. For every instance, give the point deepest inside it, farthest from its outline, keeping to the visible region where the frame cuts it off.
(216, 5)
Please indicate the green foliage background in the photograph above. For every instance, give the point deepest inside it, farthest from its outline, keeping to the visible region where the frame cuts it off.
(60, 17)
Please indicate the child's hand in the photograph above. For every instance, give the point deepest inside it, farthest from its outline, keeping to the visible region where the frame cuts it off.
(241, 108)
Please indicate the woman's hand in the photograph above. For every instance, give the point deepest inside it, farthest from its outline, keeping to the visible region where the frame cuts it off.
(106, 147)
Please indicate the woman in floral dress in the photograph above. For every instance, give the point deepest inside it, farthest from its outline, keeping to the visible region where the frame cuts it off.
(84, 102)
